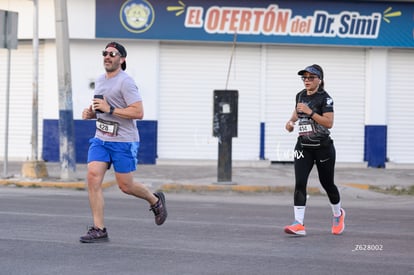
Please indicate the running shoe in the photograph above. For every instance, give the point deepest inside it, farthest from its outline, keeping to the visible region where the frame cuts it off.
(159, 209)
(338, 223)
(95, 235)
(296, 229)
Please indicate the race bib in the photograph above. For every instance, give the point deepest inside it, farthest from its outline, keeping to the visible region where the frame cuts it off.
(305, 128)
(109, 128)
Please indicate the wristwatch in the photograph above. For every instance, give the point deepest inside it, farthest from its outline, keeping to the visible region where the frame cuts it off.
(111, 109)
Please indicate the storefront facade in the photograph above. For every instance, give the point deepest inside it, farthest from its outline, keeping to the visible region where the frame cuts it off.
(179, 52)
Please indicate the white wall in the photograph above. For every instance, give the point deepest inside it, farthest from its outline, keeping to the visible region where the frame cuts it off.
(49, 93)
(81, 17)
(376, 87)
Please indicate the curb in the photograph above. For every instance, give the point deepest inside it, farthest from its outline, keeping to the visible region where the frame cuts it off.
(177, 187)
(80, 185)
(358, 185)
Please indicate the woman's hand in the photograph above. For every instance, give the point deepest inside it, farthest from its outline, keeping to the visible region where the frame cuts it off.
(290, 125)
(303, 108)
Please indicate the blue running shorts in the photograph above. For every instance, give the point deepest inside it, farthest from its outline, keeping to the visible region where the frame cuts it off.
(123, 155)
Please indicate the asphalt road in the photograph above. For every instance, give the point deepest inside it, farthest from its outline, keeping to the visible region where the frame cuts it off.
(219, 233)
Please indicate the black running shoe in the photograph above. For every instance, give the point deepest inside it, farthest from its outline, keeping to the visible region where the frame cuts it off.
(159, 209)
(95, 235)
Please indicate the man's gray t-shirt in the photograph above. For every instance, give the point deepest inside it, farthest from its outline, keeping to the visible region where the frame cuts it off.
(120, 91)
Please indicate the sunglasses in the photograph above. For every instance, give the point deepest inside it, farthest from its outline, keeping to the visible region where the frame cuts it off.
(111, 54)
(310, 78)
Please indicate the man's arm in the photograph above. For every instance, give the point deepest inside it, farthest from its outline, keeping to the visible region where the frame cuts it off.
(133, 111)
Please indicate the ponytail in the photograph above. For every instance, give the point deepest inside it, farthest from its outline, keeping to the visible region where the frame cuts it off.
(322, 84)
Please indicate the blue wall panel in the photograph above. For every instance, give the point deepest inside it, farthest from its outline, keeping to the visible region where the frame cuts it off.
(148, 132)
(375, 147)
(50, 140)
(262, 140)
(85, 129)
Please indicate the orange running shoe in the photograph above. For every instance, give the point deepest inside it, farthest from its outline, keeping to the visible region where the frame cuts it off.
(338, 223)
(296, 229)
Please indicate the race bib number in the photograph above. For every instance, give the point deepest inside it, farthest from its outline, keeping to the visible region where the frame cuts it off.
(109, 128)
(305, 128)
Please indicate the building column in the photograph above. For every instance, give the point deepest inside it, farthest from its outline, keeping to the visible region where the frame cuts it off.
(375, 146)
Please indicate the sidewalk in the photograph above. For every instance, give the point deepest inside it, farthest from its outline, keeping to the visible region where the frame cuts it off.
(195, 176)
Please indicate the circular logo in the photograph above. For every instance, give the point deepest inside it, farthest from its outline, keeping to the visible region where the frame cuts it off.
(137, 16)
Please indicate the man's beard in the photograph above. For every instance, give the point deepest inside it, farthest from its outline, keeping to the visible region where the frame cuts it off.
(110, 67)
(110, 70)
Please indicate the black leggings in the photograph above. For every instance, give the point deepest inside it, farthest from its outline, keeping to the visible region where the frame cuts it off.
(325, 162)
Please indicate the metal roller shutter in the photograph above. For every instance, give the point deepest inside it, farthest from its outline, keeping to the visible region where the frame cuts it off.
(344, 71)
(399, 92)
(189, 73)
(21, 96)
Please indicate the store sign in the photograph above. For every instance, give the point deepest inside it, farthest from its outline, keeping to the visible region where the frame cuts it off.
(349, 23)
(8, 29)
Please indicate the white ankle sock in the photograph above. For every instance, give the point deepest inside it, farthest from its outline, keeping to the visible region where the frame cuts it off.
(299, 213)
(336, 209)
